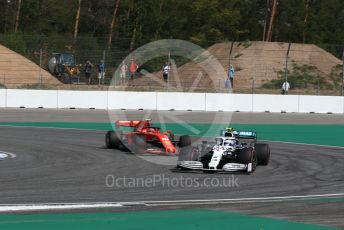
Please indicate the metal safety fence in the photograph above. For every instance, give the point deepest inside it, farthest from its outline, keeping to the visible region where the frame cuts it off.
(259, 67)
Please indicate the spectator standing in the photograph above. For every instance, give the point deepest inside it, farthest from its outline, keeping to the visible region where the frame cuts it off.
(132, 69)
(101, 71)
(231, 73)
(166, 71)
(123, 72)
(88, 71)
(285, 87)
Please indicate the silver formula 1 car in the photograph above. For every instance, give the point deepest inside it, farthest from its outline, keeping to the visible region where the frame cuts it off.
(230, 152)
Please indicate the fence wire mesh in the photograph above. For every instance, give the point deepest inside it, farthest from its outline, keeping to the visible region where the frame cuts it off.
(260, 68)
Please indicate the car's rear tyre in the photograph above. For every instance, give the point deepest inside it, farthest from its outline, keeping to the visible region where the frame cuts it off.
(263, 153)
(171, 137)
(248, 157)
(184, 141)
(186, 151)
(113, 139)
(139, 144)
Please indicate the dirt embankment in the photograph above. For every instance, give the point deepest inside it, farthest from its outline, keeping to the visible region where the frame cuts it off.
(16, 71)
(255, 63)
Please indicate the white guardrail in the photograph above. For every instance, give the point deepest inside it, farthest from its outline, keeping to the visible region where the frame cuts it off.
(15, 98)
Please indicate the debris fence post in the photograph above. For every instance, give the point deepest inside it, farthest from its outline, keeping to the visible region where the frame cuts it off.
(342, 73)
(286, 68)
(252, 82)
(40, 68)
(104, 59)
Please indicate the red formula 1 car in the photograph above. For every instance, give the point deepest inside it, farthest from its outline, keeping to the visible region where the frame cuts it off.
(145, 138)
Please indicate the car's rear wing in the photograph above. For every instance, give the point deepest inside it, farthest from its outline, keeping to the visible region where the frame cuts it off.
(239, 134)
(245, 134)
(142, 123)
(127, 123)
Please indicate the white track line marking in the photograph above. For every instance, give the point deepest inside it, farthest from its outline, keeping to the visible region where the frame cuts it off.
(52, 207)
(6, 155)
(296, 143)
(94, 205)
(48, 127)
(242, 200)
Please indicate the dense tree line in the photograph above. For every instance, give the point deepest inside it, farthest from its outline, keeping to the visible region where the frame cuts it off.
(201, 21)
(91, 27)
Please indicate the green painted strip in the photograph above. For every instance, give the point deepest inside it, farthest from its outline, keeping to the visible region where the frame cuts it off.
(186, 219)
(331, 134)
(175, 219)
(329, 199)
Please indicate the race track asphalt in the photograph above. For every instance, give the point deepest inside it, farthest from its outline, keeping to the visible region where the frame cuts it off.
(71, 166)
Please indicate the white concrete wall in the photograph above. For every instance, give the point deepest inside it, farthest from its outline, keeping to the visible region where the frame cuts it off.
(82, 99)
(2, 98)
(181, 101)
(169, 100)
(219, 102)
(132, 100)
(31, 98)
(321, 104)
(243, 102)
(275, 103)
(228, 102)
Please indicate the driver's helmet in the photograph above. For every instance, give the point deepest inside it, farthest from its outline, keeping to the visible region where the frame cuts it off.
(230, 142)
(229, 130)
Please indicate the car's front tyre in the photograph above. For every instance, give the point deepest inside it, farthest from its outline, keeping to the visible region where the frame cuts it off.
(139, 144)
(112, 140)
(248, 157)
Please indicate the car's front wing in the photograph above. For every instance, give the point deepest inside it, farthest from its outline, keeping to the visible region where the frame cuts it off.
(197, 165)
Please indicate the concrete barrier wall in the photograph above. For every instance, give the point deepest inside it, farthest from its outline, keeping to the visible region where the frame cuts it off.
(228, 102)
(132, 100)
(275, 103)
(2, 98)
(168, 100)
(243, 102)
(82, 99)
(219, 102)
(181, 101)
(324, 104)
(31, 98)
